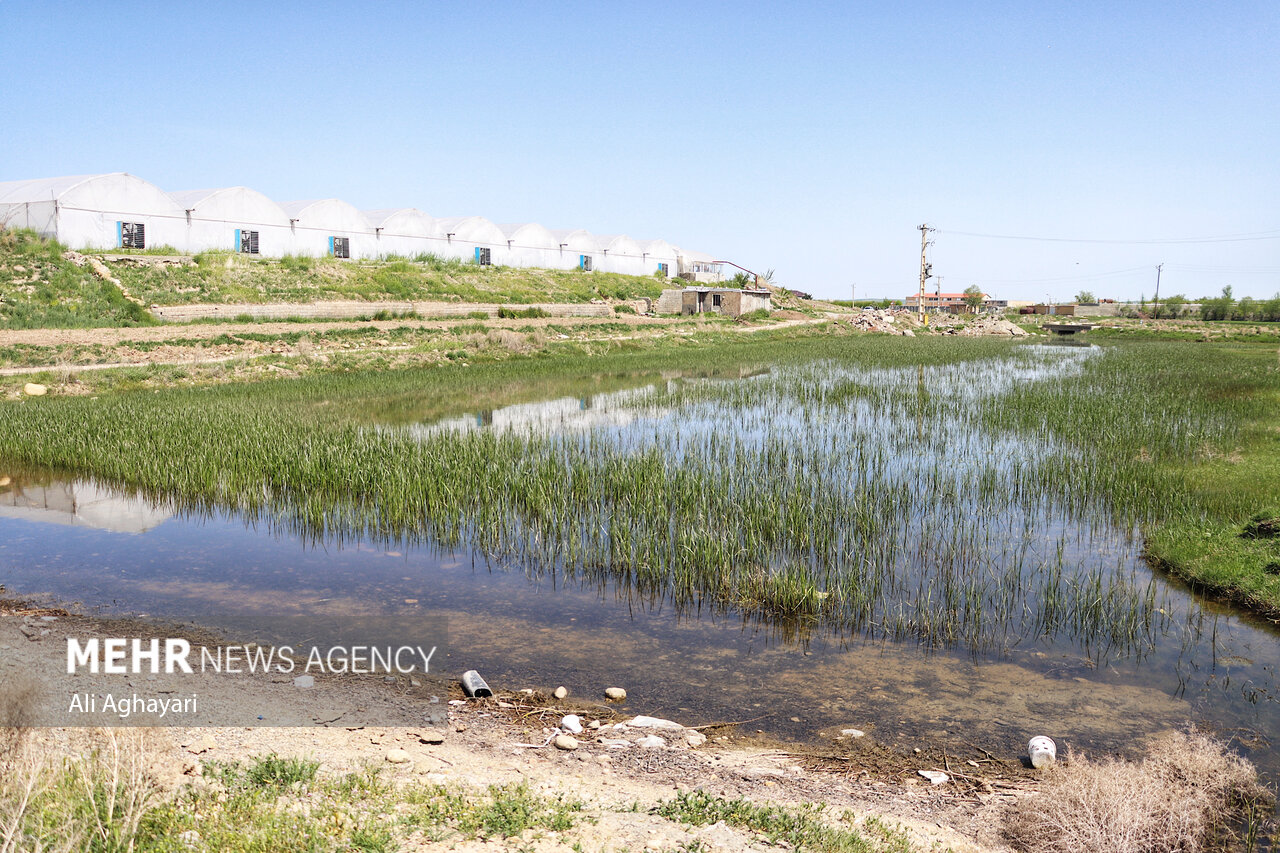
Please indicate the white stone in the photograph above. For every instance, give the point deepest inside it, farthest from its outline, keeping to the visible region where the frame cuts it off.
(852, 732)
(570, 723)
(34, 389)
(561, 692)
(651, 742)
(567, 742)
(694, 738)
(397, 756)
(643, 722)
(615, 694)
(935, 777)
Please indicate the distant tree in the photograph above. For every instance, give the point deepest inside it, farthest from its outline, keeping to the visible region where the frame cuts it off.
(1085, 296)
(1247, 309)
(1173, 306)
(1218, 308)
(973, 296)
(1270, 310)
(741, 280)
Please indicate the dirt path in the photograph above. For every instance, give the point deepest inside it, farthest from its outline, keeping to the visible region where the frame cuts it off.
(186, 344)
(207, 331)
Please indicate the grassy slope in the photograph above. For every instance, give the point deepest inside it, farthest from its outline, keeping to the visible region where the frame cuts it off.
(40, 289)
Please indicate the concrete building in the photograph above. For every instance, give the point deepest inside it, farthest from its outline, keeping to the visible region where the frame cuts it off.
(953, 302)
(730, 301)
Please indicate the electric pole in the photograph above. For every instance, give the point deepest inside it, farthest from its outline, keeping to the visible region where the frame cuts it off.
(925, 267)
(1156, 312)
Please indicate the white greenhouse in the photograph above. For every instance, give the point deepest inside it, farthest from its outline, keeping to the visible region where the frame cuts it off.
(330, 226)
(404, 231)
(660, 256)
(473, 238)
(235, 218)
(578, 249)
(619, 253)
(119, 210)
(531, 245)
(116, 210)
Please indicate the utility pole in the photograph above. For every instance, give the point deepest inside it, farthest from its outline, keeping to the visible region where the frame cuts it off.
(925, 267)
(1156, 311)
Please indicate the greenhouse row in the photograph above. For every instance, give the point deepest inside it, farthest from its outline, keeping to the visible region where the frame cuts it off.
(119, 210)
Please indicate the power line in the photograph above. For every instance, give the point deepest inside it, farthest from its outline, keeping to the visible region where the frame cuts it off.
(1081, 277)
(1227, 238)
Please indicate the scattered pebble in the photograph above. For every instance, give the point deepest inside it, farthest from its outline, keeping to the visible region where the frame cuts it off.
(572, 724)
(561, 692)
(567, 742)
(615, 694)
(397, 756)
(855, 733)
(651, 742)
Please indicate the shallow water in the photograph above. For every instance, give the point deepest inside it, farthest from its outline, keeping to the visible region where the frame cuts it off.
(701, 660)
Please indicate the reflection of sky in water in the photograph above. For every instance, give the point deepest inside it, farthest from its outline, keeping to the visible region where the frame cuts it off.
(263, 582)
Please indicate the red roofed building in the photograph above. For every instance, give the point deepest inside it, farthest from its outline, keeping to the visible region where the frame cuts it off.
(944, 301)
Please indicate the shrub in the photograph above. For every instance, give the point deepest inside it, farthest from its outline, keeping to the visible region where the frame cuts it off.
(1187, 789)
(521, 313)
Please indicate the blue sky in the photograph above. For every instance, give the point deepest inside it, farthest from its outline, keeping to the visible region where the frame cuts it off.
(809, 138)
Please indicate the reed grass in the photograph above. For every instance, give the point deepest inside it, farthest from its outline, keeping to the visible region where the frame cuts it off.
(964, 494)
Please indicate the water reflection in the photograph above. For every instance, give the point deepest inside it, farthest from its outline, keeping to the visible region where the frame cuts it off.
(79, 503)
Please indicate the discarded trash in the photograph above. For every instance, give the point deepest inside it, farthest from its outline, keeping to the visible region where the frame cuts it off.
(935, 777)
(474, 685)
(1043, 751)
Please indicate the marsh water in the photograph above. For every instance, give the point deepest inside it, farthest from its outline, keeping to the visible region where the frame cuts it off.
(972, 611)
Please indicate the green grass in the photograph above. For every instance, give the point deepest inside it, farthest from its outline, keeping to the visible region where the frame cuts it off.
(803, 828)
(1183, 439)
(40, 289)
(51, 292)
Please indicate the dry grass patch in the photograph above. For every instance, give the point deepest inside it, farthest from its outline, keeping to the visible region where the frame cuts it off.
(1182, 797)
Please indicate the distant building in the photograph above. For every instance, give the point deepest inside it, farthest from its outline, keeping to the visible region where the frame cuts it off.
(730, 301)
(953, 302)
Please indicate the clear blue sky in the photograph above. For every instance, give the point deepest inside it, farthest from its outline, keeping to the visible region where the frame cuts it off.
(807, 138)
